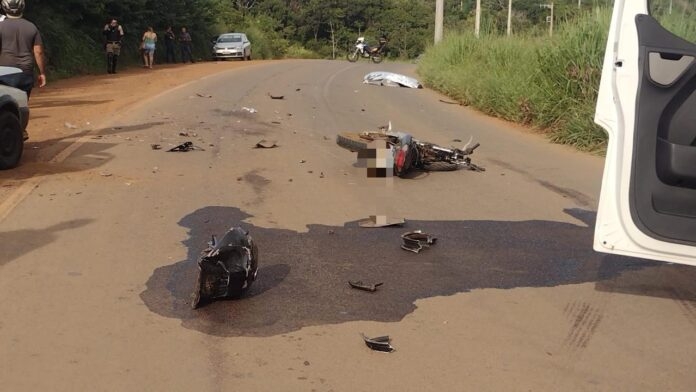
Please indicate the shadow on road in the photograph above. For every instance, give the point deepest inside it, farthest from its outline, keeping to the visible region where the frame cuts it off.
(14, 244)
(303, 276)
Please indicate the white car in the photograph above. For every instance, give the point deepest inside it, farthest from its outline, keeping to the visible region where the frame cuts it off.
(14, 117)
(647, 105)
(232, 45)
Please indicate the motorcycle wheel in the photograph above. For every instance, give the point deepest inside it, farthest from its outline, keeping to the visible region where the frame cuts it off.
(440, 166)
(377, 58)
(352, 56)
(351, 142)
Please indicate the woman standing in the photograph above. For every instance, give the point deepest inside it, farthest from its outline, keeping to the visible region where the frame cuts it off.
(149, 40)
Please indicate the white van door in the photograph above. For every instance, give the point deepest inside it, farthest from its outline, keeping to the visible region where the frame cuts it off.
(647, 105)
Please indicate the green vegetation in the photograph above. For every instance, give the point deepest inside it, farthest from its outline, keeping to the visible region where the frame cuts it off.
(549, 83)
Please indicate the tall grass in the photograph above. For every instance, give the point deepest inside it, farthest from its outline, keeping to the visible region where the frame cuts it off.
(549, 83)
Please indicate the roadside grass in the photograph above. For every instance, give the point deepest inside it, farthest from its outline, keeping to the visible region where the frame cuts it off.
(548, 83)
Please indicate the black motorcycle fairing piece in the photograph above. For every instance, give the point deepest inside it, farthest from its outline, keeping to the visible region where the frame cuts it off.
(227, 268)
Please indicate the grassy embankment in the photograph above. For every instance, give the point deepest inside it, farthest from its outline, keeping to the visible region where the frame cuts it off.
(548, 83)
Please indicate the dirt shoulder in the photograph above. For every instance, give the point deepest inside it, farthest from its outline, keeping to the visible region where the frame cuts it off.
(69, 108)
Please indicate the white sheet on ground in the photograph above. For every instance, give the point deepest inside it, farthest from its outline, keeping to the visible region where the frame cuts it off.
(391, 79)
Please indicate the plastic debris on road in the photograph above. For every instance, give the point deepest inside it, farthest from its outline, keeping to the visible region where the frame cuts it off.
(380, 343)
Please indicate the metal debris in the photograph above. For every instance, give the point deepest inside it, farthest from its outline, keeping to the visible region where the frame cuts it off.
(155, 146)
(203, 95)
(415, 241)
(276, 96)
(267, 144)
(375, 221)
(185, 147)
(250, 110)
(360, 285)
(380, 343)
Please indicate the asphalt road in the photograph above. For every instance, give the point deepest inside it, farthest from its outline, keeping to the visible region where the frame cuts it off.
(98, 263)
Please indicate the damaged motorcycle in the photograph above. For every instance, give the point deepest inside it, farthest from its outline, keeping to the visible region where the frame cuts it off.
(226, 268)
(409, 153)
(362, 49)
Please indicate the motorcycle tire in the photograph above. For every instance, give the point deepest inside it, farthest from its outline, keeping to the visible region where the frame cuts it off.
(377, 58)
(352, 56)
(351, 142)
(441, 166)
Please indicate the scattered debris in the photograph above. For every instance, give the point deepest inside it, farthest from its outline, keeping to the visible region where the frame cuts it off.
(449, 102)
(359, 285)
(391, 79)
(331, 232)
(375, 221)
(298, 89)
(186, 134)
(70, 126)
(105, 174)
(276, 96)
(250, 110)
(415, 241)
(203, 95)
(155, 170)
(267, 144)
(457, 141)
(321, 175)
(380, 343)
(156, 146)
(185, 147)
(275, 122)
(303, 161)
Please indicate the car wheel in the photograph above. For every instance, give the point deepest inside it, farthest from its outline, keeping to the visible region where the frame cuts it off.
(11, 140)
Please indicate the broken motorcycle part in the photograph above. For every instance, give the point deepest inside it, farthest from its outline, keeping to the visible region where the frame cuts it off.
(376, 221)
(359, 285)
(185, 147)
(380, 343)
(226, 268)
(266, 144)
(415, 241)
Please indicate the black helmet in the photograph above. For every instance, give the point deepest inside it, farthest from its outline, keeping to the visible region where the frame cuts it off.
(13, 7)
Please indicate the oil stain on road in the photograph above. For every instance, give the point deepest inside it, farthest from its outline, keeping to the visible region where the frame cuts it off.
(303, 276)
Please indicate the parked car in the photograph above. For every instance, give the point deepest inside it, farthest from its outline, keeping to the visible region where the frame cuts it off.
(14, 117)
(232, 46)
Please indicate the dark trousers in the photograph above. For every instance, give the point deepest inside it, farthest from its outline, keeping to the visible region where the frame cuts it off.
(23, 81)
(171, 57)
(186, 53)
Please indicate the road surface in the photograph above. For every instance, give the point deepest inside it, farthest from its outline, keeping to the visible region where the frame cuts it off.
(98, 259)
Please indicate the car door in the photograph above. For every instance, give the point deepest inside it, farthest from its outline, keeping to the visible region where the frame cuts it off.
(647, 105)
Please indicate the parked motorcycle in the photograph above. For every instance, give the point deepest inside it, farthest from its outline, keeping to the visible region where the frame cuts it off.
(410, 153)
(227, 267)
(362, 49)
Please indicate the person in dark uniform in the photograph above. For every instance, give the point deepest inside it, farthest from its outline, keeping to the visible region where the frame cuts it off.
(186, 46)
(170, 45)
(113, 32)
(22, 47)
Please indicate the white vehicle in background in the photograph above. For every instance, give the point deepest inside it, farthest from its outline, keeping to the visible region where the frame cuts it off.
(14, 117)
(647, 105)
(231, 46)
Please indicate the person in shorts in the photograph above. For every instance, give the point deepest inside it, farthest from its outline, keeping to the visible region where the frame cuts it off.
(148, 45)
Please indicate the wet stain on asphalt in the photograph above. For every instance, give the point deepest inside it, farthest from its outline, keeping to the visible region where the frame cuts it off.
(303, 276)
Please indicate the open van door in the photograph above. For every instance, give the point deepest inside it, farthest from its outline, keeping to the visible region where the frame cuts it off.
(647, 105)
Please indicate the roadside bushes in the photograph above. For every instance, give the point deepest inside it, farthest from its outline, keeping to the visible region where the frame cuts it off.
(550, 83)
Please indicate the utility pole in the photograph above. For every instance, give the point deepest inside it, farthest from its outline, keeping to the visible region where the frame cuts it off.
(670, 6)
(439, 19)
(579, 4)
(509, 25)
(549, 19)
(477, 29)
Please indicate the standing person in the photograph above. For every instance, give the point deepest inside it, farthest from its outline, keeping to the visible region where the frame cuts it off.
(22, 47)
(113, 32)
(185, 42)
(149, 43)
(170, 44)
